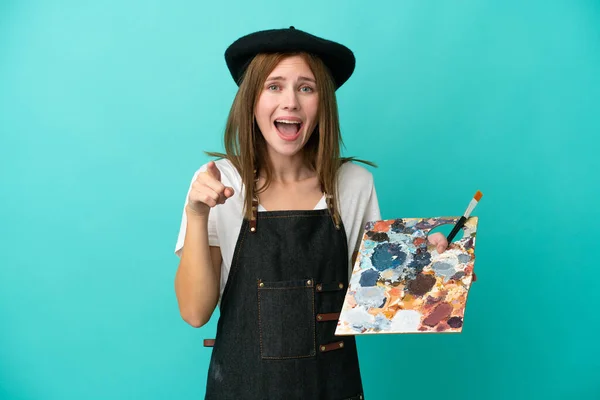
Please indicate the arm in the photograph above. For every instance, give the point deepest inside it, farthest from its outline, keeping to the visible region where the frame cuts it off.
(197, 281)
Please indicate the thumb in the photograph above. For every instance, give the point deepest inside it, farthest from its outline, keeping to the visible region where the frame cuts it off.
(213, 171)
(439, 241)
(228, 192)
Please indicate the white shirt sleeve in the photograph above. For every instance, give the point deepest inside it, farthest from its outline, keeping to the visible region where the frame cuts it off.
(213, 237)
(371, 212)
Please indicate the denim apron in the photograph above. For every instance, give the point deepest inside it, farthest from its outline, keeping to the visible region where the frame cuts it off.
(279, 310)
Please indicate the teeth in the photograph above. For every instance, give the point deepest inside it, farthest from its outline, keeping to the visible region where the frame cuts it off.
(285, 121)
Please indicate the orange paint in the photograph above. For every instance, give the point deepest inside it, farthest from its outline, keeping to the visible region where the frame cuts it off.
(375, 311)
(418, 241)
(382, 226)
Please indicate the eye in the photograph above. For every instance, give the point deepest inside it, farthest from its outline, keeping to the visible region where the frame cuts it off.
(272, 87)
(306, 89)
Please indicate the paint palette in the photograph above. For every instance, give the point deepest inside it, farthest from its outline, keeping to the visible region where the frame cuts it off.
(401, 284)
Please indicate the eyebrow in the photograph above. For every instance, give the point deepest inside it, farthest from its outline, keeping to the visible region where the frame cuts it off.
(281, 78)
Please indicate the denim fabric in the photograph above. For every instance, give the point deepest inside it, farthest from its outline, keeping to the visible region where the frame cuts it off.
(286, 319)
(268, 343)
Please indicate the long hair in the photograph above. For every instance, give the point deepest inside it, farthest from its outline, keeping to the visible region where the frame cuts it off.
(246, 148)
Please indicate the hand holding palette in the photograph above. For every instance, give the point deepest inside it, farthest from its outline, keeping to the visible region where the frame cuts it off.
(401, 284)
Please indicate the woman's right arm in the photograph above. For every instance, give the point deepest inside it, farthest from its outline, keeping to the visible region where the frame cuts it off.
(197, 281)
(199, 273)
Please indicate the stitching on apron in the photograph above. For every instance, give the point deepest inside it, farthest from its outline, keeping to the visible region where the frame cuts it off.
(313, 322)
(259, 326)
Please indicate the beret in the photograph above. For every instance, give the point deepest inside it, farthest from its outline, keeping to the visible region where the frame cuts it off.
(338, 58)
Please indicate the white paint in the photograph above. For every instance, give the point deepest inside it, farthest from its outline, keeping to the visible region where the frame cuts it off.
(371, 296)
(358, 316)
(406, 321)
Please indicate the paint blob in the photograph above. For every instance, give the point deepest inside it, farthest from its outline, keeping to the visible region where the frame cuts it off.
(464, 258)
(455, 322)
(370, 296)
(369, 278)
(388, 255)
(420, 260)
(421, 285)
(379, 236)
(406, 321)
(440, 312)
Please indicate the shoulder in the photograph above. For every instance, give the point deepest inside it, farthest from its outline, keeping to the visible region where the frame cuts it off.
(353, 175)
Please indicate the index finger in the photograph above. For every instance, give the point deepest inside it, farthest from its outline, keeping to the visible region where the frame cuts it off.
(213, 171)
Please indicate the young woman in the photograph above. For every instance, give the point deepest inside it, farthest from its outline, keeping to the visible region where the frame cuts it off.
(269, 230)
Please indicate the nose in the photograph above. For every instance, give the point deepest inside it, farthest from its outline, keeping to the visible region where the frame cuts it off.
(290, 100)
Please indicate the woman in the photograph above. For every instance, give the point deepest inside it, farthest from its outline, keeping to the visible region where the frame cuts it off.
(269, 231)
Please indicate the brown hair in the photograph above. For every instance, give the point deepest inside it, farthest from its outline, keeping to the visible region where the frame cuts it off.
(246, 148)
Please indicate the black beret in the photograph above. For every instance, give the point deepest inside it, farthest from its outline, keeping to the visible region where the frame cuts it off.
(338, 58)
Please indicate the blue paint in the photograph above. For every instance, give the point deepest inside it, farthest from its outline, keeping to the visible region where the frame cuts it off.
(399, 227)
(458, 275)
(420, 261)
(443, 268)
(369, 278)
(381, 323)
(464, 258)
(387, 255)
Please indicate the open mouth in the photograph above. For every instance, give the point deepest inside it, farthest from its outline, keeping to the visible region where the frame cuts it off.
(288, 129)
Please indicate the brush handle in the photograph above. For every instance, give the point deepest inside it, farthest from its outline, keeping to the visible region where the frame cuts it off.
(457, 227)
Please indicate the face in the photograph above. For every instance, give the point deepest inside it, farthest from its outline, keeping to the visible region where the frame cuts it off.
(286, 111)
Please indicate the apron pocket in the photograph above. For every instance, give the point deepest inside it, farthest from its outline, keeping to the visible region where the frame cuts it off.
(286, 319)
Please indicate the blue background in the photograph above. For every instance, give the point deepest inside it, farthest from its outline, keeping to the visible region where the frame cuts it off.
(106, 107)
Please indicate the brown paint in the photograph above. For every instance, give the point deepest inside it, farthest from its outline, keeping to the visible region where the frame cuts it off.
(433, 300)
(421, 284)
(439, 313)
(442, 327)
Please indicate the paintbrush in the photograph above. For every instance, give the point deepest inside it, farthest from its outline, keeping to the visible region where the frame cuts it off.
(463, 219)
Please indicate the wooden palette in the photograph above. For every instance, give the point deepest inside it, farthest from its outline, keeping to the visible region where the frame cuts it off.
(401, 284)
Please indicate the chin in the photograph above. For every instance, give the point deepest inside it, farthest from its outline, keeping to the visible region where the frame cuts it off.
(285, 148)
(287, 151)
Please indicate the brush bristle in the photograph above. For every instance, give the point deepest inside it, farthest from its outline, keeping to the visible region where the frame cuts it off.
(478, 195)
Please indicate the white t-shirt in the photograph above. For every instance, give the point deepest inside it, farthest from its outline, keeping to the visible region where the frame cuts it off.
(357, 199)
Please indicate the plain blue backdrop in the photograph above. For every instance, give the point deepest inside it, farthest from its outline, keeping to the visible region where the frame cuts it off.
(106, 108)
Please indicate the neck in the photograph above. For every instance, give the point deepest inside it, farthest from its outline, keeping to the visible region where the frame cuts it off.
(286, 169)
